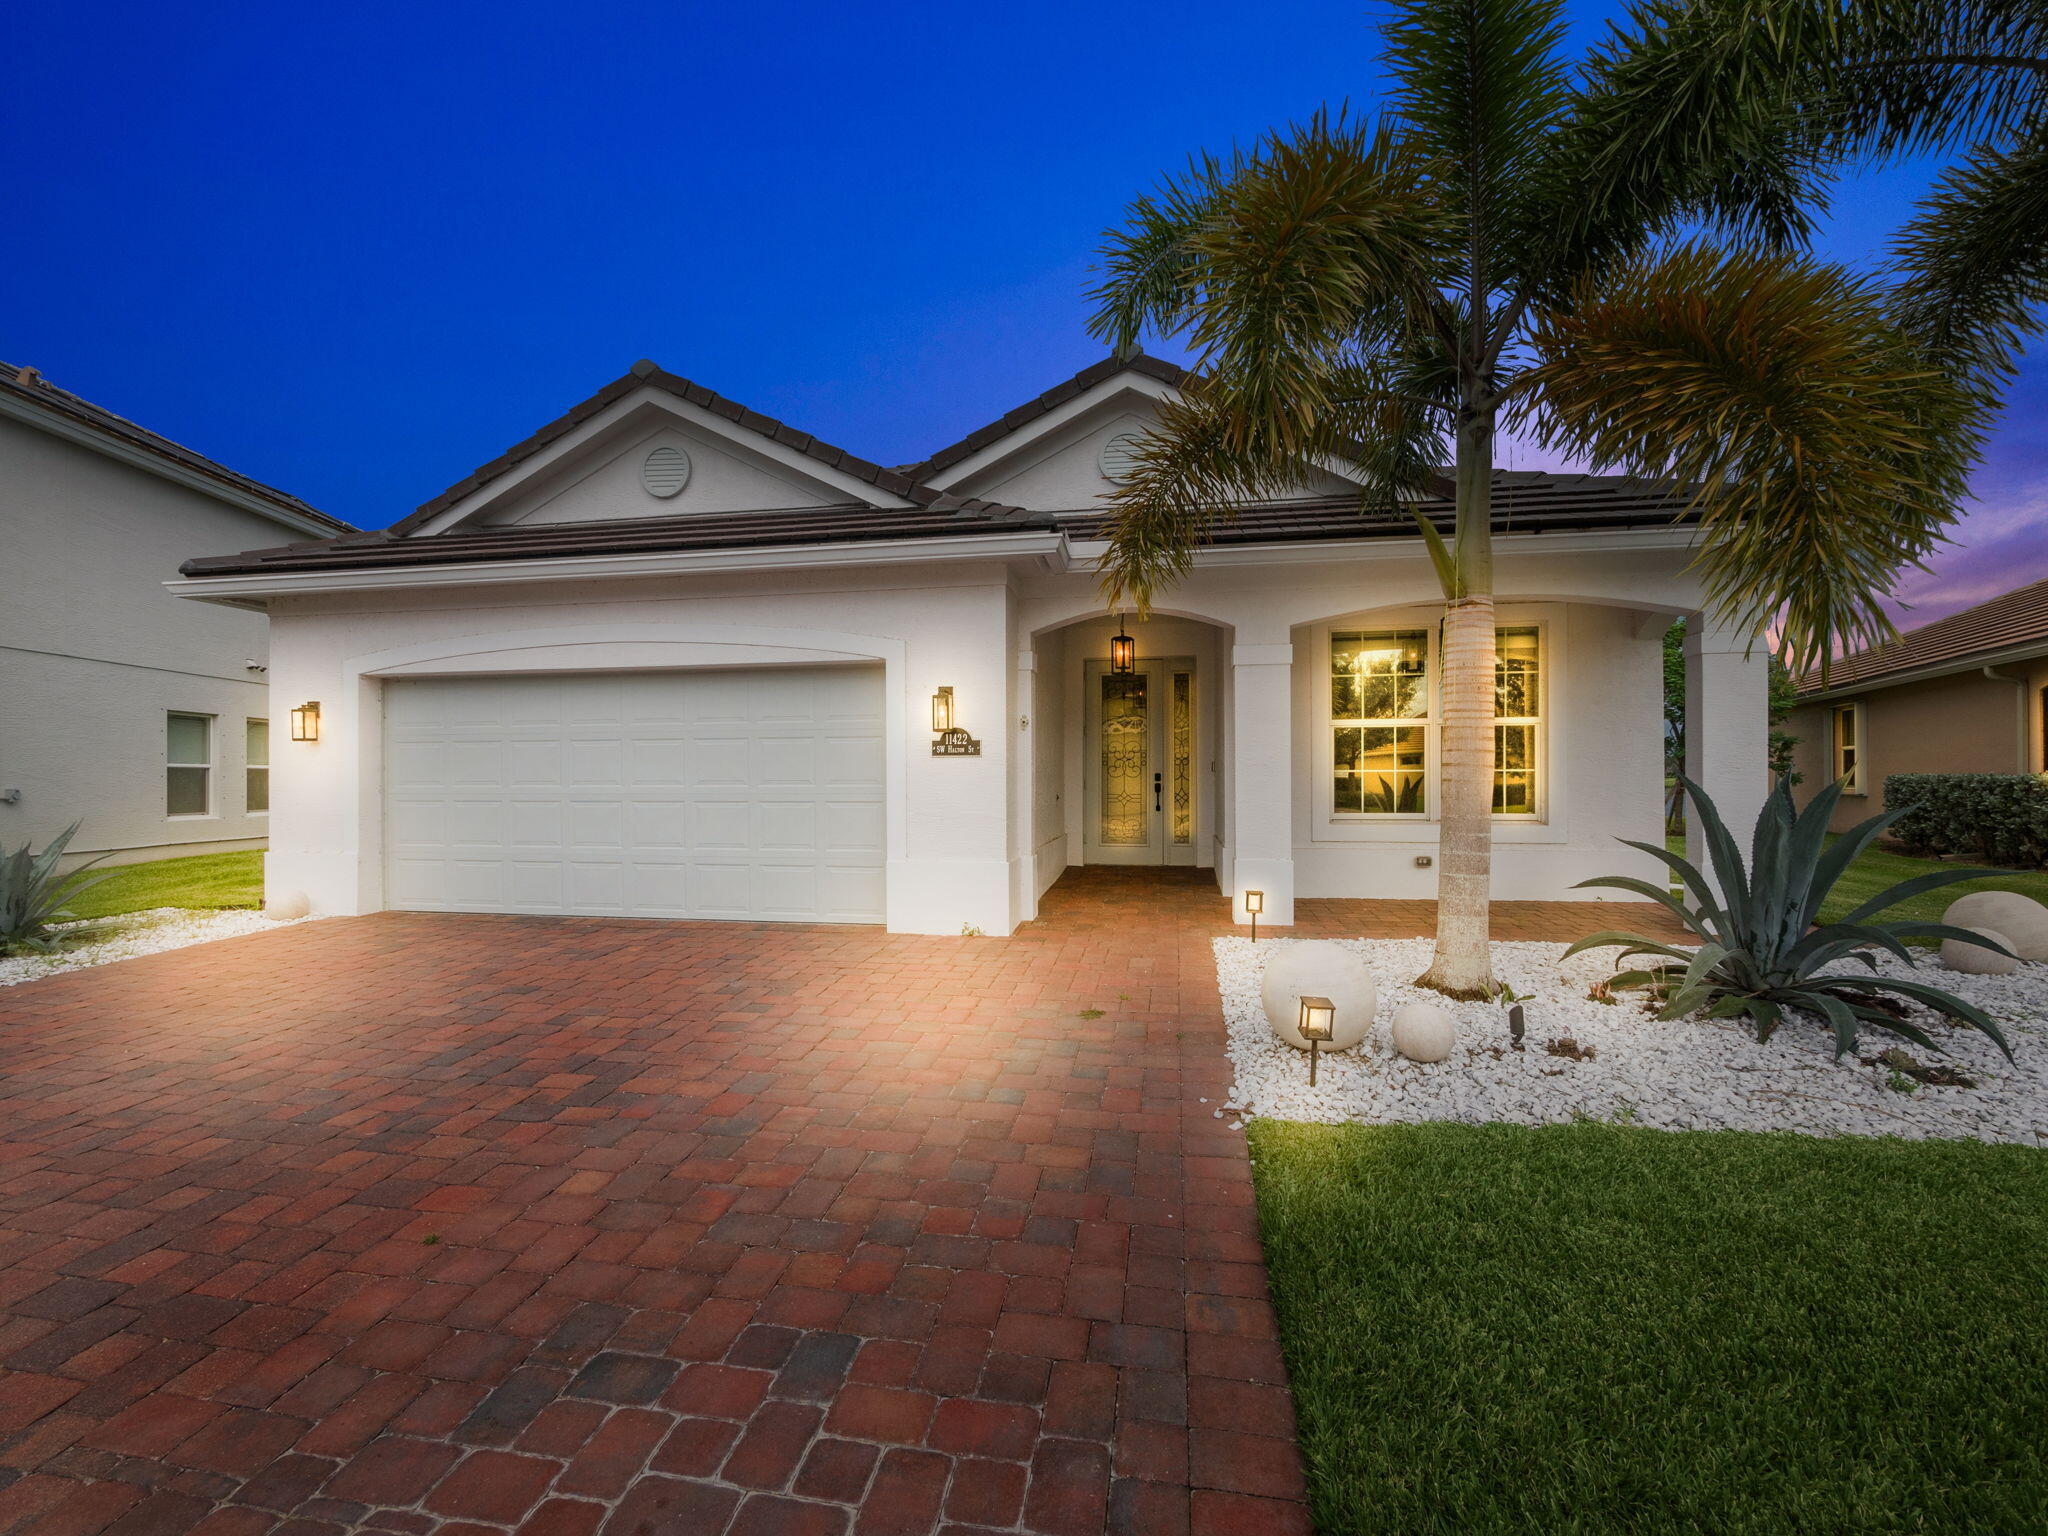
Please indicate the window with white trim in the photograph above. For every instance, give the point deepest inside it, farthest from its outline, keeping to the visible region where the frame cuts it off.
(256, 766)
(1383, 687)
(188, 764)
(1379, 721)
(1845, 739)
(1518, 720)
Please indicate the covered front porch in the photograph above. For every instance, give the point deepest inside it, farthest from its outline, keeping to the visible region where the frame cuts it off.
(1274, 741)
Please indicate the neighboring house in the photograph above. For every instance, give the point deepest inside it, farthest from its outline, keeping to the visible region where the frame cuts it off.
(671, 658)
(139, 716)
(1964, 694)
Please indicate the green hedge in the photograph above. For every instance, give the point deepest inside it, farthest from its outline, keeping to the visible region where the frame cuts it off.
(2001, 818)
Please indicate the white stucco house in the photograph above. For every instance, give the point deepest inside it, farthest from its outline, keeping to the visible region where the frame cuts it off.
(669, 658)
(142, 718)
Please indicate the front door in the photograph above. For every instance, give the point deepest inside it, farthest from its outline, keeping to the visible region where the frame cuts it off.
(1140, 745)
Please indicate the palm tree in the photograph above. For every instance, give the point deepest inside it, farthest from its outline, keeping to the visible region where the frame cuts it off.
(1388, 293)
(1824, 80)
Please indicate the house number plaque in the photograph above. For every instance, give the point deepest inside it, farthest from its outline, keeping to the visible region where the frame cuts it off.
(956, 743)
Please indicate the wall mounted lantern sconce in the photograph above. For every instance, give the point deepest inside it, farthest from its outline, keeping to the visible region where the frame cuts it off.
(1318, 1023)
(1255, 903)
(952, 741)
(306, 721)
(1123, 651)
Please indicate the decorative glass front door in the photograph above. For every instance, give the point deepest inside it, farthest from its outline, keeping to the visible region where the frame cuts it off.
(1141, 763)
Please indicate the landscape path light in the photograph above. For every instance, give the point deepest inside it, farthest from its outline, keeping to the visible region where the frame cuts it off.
(1255, 903)
(1318, 1023)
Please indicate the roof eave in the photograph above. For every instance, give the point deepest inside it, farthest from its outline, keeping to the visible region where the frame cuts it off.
(1976, 661)
(51, 418)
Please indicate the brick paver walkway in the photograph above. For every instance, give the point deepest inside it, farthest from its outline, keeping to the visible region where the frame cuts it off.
(468, 1224)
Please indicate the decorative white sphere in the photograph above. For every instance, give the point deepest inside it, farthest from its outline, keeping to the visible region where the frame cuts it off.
(1319, 968)
(2023, 920)
(1424, 1032)
(1975, 959)
(287, 905)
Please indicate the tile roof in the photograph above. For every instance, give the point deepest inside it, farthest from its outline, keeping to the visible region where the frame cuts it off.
(645, 374)
(2010, 621)
(1094, 374)
(26, 383)
(1523, 503)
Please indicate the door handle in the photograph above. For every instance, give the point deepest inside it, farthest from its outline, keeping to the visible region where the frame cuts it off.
(1158, 800)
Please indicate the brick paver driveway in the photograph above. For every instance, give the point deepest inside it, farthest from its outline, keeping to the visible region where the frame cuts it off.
(459, 1224)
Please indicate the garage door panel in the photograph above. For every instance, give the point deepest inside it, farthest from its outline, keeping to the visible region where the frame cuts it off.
(721, 762)
(853, 828)
(785, 758)
(533, 762)
(658, 826)
(720, 826)
(747, 794)
(786, 827)
(535, 886)
(659, 763)
(785, 890)
(591, 826)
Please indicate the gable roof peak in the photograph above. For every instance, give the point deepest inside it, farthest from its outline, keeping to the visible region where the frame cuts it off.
(1097, 372)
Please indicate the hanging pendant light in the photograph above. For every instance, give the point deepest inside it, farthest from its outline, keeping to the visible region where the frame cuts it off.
(1123, 651)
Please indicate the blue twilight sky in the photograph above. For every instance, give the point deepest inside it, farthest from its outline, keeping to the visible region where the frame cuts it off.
(356, 251)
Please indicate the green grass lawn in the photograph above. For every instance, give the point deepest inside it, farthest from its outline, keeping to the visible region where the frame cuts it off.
(1878, 869)
(205, 881)
(1603, 1329)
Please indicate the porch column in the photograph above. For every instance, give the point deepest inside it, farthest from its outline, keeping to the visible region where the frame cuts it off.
(1727, 726)
(1262, 781)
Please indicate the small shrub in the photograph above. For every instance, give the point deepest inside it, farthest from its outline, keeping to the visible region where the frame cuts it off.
(1761, 955)
(2001, 818)
(33, 894)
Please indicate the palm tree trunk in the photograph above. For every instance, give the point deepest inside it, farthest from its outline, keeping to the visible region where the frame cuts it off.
(1463, 966)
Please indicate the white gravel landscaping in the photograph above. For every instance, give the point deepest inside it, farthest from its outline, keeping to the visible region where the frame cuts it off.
(139, 933)
(1690, 1074)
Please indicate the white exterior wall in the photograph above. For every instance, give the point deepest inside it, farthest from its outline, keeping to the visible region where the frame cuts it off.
(94, 652)
(1603, 602)
(950, 863)
(973, 842)
(1600, 761)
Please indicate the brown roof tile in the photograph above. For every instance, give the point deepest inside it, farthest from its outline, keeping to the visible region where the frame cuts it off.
(2011, 620)
(1523, 503)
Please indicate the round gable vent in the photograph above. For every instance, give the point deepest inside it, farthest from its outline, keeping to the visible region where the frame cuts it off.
(666, 472)
(1119, 455)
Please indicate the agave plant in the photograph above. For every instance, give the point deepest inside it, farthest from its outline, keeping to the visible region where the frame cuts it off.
(33, 894)
(1761, 955)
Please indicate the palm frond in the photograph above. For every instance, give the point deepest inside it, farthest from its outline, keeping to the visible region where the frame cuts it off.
(1679, 115)
(1972, 265)
(1148, 262)
(1823, 452)
(1482, 86)
(1201, 458)
(1328, 245)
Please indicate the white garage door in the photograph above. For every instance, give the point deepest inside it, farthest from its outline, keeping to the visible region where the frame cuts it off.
(740, 794)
